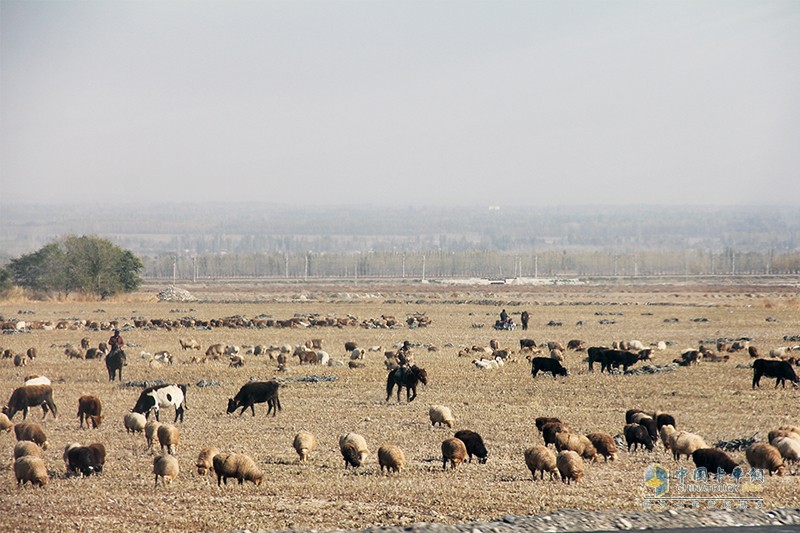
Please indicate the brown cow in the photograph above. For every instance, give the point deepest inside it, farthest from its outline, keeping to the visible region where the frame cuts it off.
(89, 408)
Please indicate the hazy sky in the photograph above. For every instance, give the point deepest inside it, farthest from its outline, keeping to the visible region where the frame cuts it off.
(401, 102)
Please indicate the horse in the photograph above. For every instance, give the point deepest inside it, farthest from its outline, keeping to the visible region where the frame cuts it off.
(408, 377)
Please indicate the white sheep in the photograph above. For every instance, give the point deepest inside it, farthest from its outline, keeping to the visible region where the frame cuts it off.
(354, 449)
(666, 432)
(442, 415)
(685, 443)
(36, 380)
(485, 364)
(30, 468)
(542, 459)
(205, 460)
(323, 357)
(5, 424)
(237, 465)
(26, 447)
(304, 443)
(168, 437)
(391, 457)
(134, 422)
(166, 467)
(357, 354)
(151, 432)
(789, 448)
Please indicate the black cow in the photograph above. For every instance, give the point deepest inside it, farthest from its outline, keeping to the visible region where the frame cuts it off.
(545, 364)
(780, 370)
(256, 392)
(595, 355)
(617, 358)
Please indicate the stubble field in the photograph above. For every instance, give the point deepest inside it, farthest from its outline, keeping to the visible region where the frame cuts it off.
(714, 400)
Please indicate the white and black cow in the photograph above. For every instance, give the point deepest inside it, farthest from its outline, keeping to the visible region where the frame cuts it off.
(152, 398)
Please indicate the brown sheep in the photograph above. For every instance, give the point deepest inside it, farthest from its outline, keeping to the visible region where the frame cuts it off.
(453, 450)
(168, 437)
(765, 456)
(304, 443)
(541, 458)
(570, 466)
(604, 444)
(391, 457)
(31, 431)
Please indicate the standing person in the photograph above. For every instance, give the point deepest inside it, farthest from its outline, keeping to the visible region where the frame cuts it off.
(524, 317)
(503, 316)
(115, 342)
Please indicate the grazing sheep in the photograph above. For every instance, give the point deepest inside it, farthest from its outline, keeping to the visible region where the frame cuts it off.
(304, 443)
(542, 420)
(663, 419)
(354, 449)
(685, 443)
(168, 437)
(236, 361)
(550, 429)
(26, 447)
(87, 460)
(713, 460)
(440, 414)
(637, 436)
(541, 458)
(784, 431)
(5, 423)
(134, 422)
(205, 460)
(604, 444)
(391, 457)
(19, 360)
(166, 467)
(577, 443)
(151, 431)
(31, 431)
(789, 448)
(666, 433)
(570, 466)
(765, 456)
(453, 450)
(89, 408)
(35, 379)
(239, 466)
(73, 353)
(474, 443)
(30, 468)
(556, 354)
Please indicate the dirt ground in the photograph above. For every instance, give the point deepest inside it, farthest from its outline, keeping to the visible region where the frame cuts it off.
(712, 399)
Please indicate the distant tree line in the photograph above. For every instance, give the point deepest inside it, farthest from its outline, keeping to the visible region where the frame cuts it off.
(461, 264)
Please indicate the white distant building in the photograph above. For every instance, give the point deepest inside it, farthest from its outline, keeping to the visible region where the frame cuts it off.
(494, 208)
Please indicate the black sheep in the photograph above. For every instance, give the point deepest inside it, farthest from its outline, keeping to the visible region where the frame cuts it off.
(713, 460)
(474, 444)
(638, 436)
(87, 460)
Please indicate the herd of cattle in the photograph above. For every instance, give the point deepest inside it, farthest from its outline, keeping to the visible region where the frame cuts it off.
(641, 429)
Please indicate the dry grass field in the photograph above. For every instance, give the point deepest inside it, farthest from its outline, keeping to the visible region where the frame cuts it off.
(714, 400)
